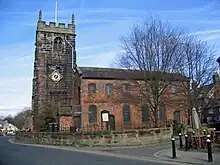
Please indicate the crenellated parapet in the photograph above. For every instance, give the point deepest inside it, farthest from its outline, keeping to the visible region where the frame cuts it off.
(53, 28)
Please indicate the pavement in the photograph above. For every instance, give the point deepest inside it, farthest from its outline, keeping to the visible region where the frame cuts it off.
(13, 153)
(190, 157)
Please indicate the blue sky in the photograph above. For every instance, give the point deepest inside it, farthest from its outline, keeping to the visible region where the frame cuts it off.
(99, 24)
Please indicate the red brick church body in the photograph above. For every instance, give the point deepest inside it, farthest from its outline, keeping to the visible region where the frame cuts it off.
(93, 98)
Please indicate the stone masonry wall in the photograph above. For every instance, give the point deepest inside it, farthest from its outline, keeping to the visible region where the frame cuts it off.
(141, 137)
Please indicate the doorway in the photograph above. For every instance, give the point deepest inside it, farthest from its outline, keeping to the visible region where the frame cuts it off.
(112, 122)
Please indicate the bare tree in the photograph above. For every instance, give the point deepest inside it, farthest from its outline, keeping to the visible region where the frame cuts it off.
(23, 119)
(198, 64)
(155, 49)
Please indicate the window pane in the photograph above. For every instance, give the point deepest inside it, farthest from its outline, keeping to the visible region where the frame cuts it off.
(126, 113)
(145, 113)
(108, 88)
(125, 87)
(92, 114)
(177, 116)
(162, 114)
(92, 88)
(58, 45)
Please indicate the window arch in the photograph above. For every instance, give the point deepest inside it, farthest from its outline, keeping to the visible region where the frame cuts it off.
(145, 113)
(176, 116)
(126, 113)
(92, 88)
(92, 114)
(58, 45)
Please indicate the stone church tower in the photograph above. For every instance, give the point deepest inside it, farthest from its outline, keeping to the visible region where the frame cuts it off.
(55, 79)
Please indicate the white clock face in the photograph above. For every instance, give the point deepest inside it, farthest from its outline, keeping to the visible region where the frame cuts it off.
(56, 76)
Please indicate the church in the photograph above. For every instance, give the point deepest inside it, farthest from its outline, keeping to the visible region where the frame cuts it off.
(89, 98)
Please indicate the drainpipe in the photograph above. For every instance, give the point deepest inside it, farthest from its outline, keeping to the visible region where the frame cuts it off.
(71, 48)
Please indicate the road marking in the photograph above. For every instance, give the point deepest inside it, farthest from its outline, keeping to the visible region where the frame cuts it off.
(100, 153)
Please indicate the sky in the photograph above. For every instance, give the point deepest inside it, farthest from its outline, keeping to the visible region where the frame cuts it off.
(99, 25)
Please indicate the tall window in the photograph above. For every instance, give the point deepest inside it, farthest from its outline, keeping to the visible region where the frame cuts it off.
(92, 88)
(58, 45)
(176, 116)
(126, 113)
(124, 87)
(92, 114)
(108, 89)
(145, 113)
(162, 113)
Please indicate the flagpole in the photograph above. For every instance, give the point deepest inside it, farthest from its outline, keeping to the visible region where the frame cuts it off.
(56, 13)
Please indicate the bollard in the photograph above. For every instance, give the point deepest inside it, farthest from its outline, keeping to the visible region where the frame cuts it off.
(208, 137)
(173, 148)
(186, 142)
(50, 127)
(181, 142)
(209, 146)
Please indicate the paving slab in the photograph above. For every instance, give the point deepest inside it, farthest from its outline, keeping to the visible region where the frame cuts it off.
(191, 157)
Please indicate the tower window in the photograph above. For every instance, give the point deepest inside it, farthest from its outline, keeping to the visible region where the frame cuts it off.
(58, 45)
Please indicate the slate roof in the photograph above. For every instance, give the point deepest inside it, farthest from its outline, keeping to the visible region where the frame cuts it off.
(124, 74)
(212, 102)
(204, 90)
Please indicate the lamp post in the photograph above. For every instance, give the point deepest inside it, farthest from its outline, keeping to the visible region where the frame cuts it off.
(218, 61)
(200, 113)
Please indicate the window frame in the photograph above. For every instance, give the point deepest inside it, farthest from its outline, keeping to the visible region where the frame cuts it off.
(108, 92)
(92, 110)
(144, 112)
(90, 85)
(126, 113)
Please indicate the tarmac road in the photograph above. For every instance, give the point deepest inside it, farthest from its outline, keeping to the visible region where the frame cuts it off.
(15, 154)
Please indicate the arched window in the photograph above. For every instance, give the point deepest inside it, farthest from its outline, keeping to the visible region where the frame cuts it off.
(92, 114)
(126, 113)
(145, 113)
(162, 112)
(92, 88)
(176, 116)
(58, 45)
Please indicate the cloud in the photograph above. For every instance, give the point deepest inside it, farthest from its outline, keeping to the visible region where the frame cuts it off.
(6, 111)
(104, 59)
(82, 4)
(197, 21)
(211, 37)
(16, 59)
(205, 32)
(86, 48)
(16, 65)
(15, 94)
